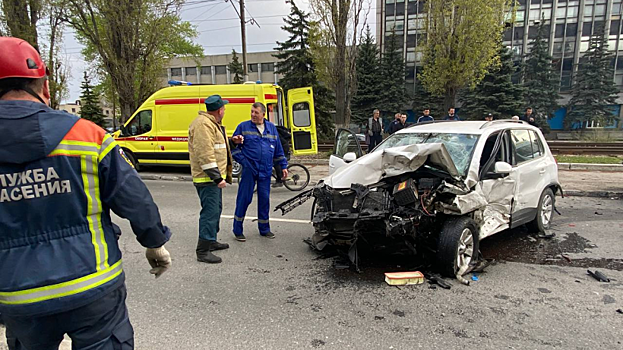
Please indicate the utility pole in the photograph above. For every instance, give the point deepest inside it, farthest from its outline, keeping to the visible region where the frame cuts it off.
(244, 42)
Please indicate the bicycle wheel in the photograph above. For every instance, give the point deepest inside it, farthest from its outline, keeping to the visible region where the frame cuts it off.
(298, 177)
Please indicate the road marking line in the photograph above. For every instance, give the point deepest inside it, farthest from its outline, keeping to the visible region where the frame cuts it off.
(294, 221)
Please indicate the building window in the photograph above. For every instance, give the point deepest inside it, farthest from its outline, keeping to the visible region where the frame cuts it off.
(220, 70)
(559, 32)
(588, 11)
(587, 28)
(535, 15)
(569, 46)
(410, 56)
(519, 16)
(614, 27)
(572, 29)
(400, 8)
(518, 35)
(107, 112)
(191, 70)
(268, 67)
(73, 110)
(616, 9)
(572, 11)
(567, 64)
(410, 74)
(560, 12)
(252, 67)
(557, 48)
(600, 10)
(176, 72)
(206, 70)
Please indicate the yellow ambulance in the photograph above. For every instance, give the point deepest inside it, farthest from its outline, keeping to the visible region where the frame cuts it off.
(157, 133)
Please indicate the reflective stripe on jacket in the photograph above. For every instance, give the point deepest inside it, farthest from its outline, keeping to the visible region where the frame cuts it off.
(58, 249)
(208, 148)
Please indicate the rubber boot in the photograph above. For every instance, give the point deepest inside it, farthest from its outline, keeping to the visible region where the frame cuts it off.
(218, 246)
(204, 254)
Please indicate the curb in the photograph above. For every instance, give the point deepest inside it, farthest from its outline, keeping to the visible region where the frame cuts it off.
(568, 193)
(590, 167)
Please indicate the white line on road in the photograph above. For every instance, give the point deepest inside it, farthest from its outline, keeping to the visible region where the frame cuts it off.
(294, 221)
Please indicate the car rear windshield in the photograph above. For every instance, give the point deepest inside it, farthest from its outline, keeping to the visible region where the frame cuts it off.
(460, 146)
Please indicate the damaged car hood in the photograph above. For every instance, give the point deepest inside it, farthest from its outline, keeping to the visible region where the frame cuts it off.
(395, 161)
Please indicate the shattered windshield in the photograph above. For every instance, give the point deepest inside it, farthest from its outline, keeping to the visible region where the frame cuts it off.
(460, 146)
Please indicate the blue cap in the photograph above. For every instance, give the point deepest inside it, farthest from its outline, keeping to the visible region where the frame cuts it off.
(214, 103)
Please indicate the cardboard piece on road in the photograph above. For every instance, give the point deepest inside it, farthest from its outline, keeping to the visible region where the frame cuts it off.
(404, 278)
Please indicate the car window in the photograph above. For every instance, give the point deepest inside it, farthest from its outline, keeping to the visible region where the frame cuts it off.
(460, 146)
(523, 146)
(346, 142)
(537, 146)
(140, 124)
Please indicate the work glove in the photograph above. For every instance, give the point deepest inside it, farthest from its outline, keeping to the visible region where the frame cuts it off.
(159, 259)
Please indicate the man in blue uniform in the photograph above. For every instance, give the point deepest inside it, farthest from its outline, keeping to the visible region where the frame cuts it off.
(261, 147)
(60, 263)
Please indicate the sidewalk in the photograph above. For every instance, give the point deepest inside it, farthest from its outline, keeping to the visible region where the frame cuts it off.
(588, 180)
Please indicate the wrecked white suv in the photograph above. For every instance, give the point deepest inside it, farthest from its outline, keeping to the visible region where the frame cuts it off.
(434, 189)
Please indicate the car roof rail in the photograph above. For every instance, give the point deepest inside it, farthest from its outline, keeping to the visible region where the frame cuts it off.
(489, 123)
(430, 122)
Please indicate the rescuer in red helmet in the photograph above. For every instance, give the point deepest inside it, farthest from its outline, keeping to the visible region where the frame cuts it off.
(60, 175)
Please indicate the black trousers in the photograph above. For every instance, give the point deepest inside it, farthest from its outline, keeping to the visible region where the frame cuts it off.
(375, 139)
(101, 325)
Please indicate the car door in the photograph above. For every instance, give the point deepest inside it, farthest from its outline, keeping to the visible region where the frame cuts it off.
(345, 142)
(498, 189)
(529, 173)
(302, 121)
(138, 136)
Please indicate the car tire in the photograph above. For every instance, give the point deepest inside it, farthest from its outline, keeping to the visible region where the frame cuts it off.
(544, 213)
(132, 159)
(457, 245)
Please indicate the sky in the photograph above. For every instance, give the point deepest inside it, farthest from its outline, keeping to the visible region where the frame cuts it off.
(219, 31)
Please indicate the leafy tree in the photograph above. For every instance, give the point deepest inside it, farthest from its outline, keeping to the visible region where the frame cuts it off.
(540, 82)
(594, 88)
(90, 108)
(297, 67)
(393, 94)
(422, 99)
(461, 44)
(369, 79)
(342, 23)
(131, 41)
(235, 68)
(496, 93)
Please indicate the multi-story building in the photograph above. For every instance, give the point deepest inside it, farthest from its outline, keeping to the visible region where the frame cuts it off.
(75, 108)
(213, 69)
(568, 22)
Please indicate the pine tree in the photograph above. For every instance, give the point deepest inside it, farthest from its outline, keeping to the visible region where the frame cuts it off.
(540, 82)
(594, 88)
(393, 94)
(295, 61)
(235, 68)
(90, 108)
(297, 68)
(496, 93)
(368, 79)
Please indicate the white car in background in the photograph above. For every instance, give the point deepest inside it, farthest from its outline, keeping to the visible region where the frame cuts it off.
(435, 189)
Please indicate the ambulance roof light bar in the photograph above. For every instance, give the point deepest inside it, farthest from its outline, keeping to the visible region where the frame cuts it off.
(178, 82)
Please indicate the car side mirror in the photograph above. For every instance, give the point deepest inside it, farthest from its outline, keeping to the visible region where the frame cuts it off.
(349, 157)
(502, 168)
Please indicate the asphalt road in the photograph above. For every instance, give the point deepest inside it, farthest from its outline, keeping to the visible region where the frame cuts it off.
(276, 294)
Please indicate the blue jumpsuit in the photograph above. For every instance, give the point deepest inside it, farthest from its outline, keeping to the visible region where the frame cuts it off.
(256, 155)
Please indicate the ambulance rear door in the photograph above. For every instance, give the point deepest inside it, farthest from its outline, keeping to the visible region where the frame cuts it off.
(302, 121)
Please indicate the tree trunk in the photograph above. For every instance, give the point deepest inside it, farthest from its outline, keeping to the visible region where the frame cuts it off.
(449, 99)
(21, 19)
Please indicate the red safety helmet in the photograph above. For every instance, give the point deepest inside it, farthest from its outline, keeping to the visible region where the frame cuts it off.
(18, 59)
